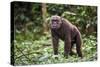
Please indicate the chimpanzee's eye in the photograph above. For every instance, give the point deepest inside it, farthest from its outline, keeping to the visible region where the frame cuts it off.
(55, 21)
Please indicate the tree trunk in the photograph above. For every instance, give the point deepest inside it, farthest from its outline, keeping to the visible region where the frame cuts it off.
(44, 12)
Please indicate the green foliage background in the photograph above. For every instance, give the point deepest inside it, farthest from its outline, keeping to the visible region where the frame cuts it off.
(32, 46)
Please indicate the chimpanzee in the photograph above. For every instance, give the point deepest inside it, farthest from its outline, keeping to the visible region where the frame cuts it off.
(62, 29)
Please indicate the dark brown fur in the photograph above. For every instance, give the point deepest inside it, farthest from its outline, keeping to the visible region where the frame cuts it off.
(69, 34)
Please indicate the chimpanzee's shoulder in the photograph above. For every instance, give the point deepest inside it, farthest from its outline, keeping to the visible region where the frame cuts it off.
(66, 23)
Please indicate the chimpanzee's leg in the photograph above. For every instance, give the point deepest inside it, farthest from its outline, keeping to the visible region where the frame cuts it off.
(72, 45)
(79, 44)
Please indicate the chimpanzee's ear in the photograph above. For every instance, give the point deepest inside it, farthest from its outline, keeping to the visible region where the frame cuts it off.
(61, 19)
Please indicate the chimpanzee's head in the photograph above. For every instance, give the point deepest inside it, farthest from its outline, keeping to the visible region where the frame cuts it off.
(55, 22)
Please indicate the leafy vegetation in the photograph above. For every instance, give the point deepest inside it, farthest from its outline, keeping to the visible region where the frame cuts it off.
(28, 51)
(32, 41)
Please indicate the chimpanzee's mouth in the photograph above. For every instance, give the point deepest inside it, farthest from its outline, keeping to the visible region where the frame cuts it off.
(54, 27)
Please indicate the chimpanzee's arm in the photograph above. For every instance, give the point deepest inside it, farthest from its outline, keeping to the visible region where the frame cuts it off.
(55, 41)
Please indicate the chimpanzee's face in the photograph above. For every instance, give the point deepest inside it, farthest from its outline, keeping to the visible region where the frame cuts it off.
(55, 22)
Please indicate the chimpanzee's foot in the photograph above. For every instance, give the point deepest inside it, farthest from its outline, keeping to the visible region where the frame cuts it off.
(66, 55)
(81, 56)
(55, 56)
(72, 53)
